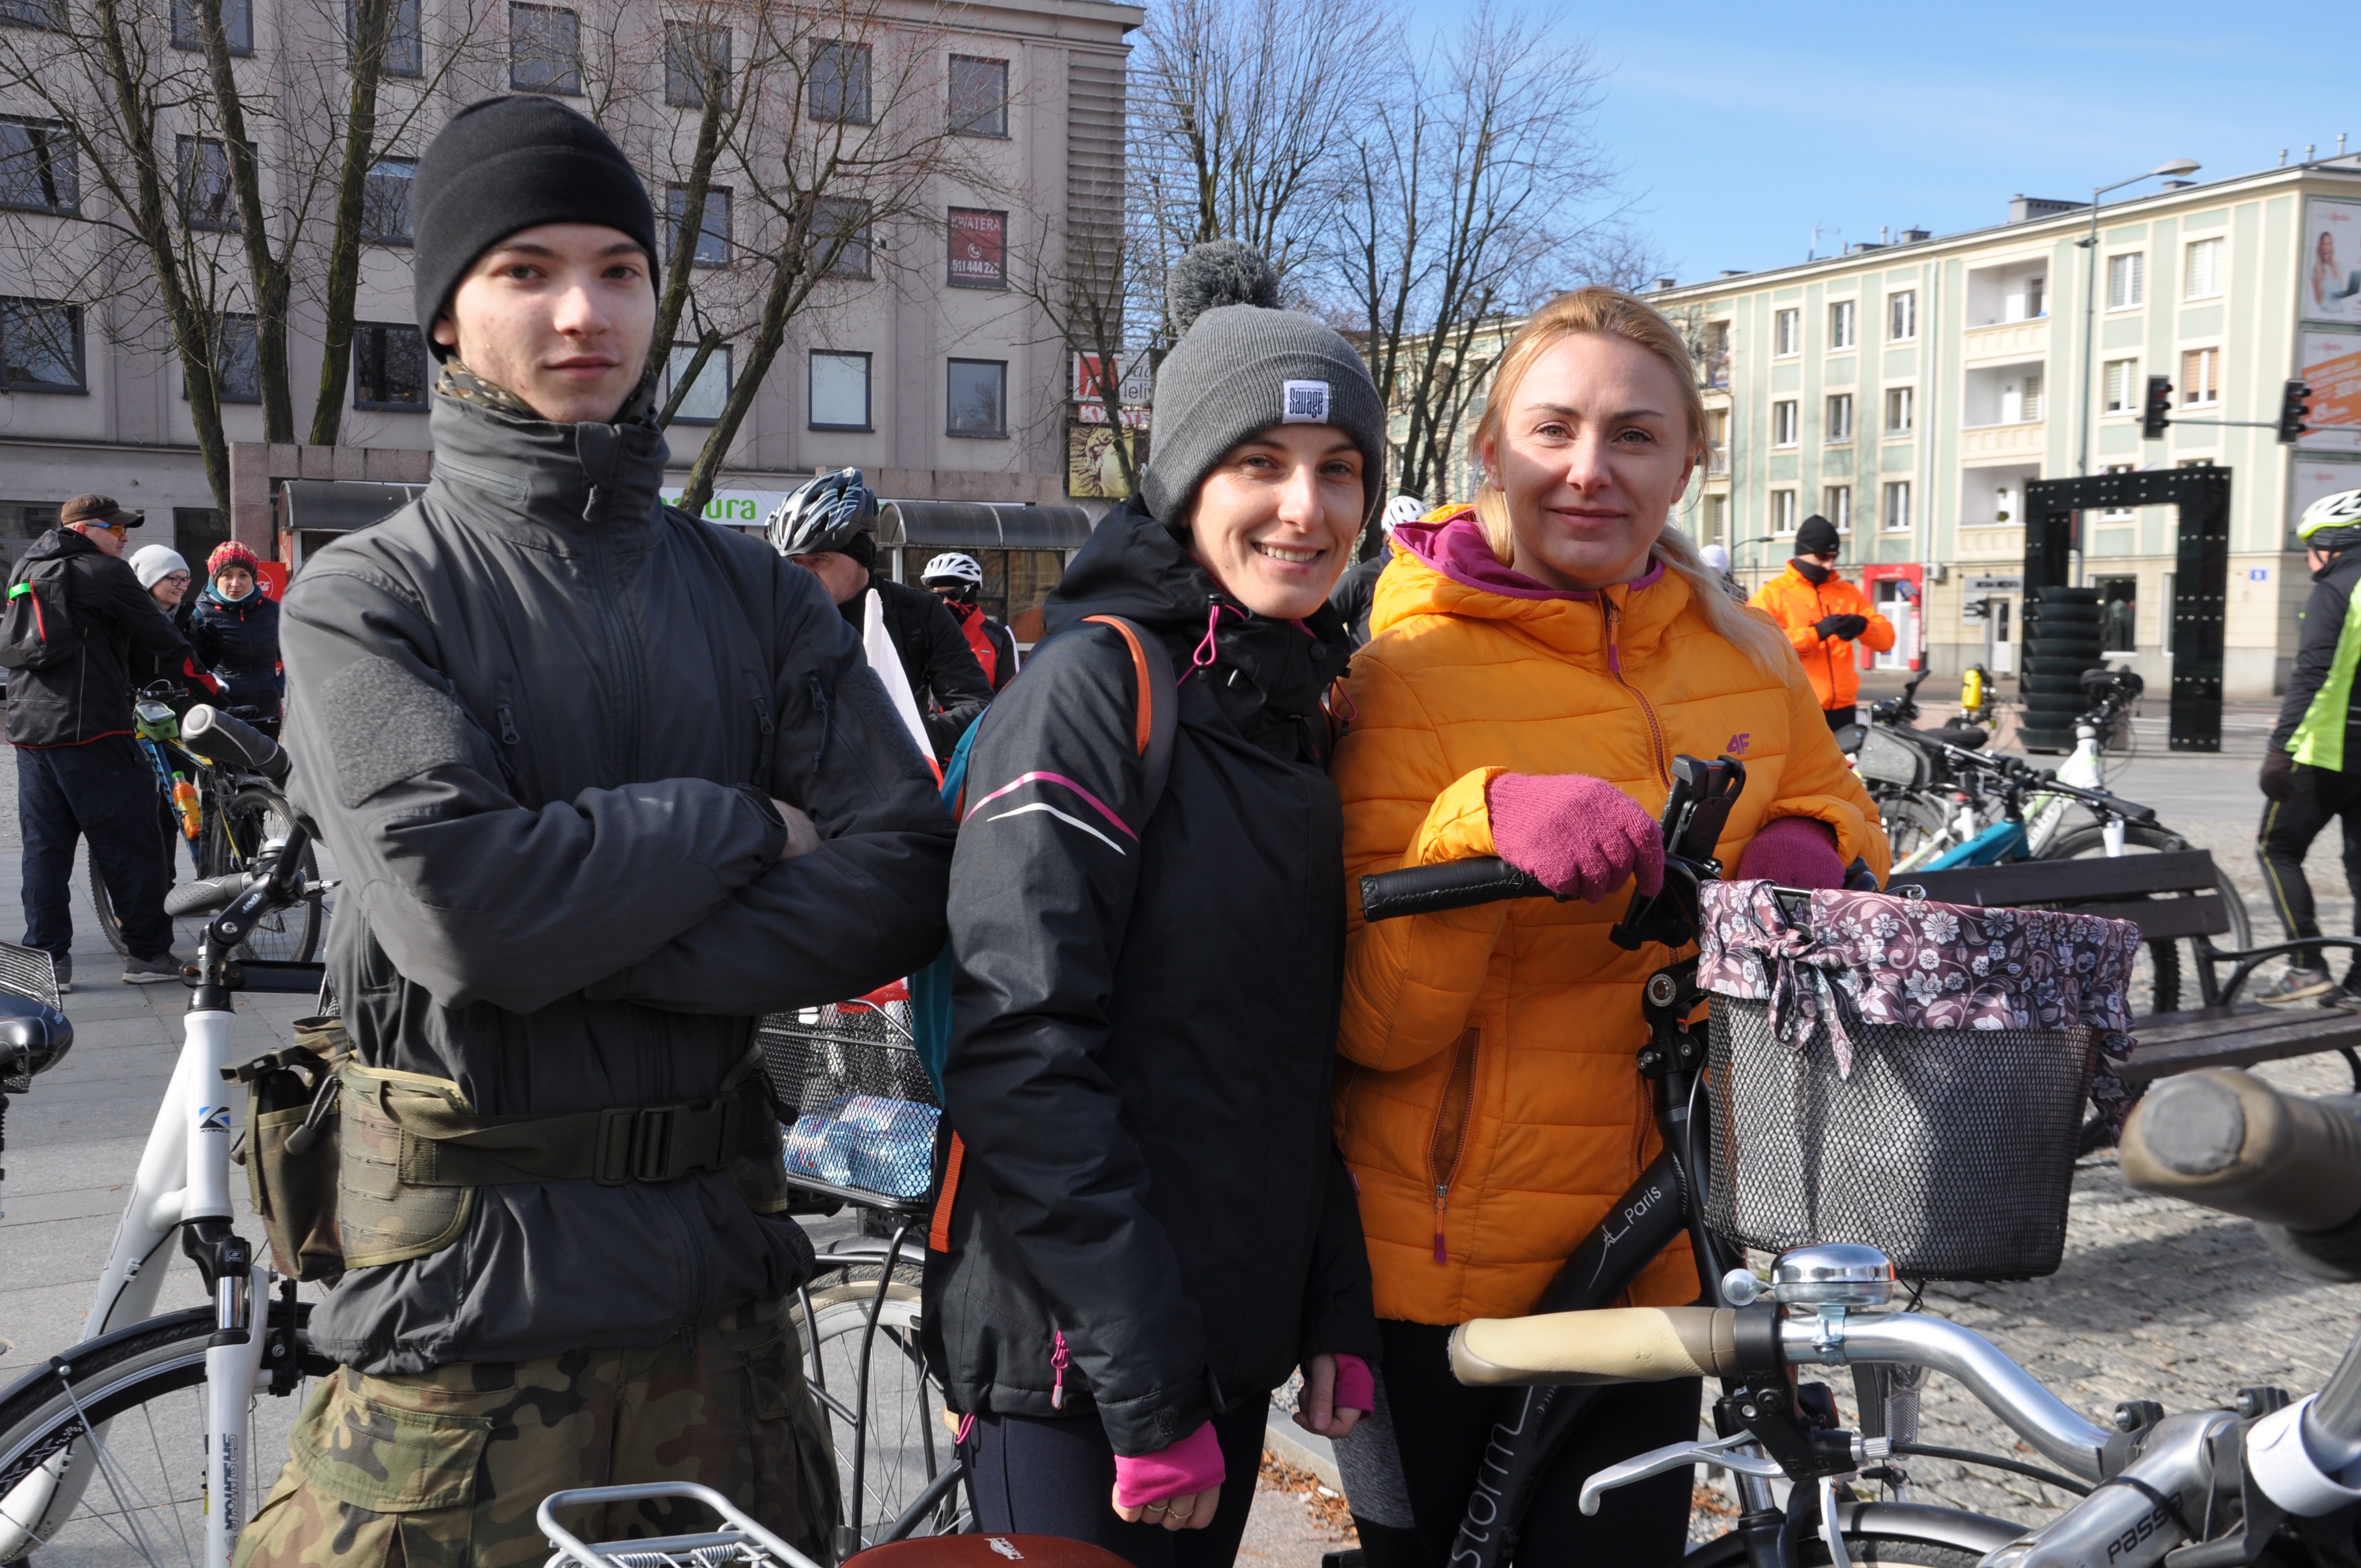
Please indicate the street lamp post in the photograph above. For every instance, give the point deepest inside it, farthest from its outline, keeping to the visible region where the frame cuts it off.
(2091, 295)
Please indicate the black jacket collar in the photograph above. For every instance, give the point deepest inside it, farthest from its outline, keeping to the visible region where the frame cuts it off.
(578, 483)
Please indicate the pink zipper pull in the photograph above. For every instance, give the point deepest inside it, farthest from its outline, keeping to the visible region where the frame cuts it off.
(1058, 1360)
(1440, 1198)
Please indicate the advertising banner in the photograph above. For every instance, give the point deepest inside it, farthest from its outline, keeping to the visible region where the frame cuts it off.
(2313, 479)
(2331, 366)
(1093, 468)
(979, 249)
(2331, 262)
(736, 508)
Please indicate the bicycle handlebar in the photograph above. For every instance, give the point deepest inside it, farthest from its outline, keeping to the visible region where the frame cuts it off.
(2224, 1139)
(1453, 884)
(241, 742)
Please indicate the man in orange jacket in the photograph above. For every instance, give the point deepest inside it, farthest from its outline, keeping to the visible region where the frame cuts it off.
(1824, 616)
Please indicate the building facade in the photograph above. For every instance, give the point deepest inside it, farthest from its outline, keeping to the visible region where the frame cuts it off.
(921, 358)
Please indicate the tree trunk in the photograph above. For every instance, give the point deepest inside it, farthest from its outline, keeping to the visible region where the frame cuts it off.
(268, 273)
(372, 22)
(790, 285)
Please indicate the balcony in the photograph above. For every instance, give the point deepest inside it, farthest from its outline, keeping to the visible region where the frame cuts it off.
(2006, 340)
(2002, 440)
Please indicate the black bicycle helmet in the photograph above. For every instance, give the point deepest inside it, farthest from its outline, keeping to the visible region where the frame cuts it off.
(824, 516)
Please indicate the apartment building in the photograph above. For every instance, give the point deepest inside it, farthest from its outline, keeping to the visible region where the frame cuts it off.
(1909, 390)
(922, 357)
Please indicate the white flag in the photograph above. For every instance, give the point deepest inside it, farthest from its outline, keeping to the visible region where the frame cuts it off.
(878, 649)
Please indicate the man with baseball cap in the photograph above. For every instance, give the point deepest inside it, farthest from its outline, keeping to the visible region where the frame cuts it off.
(605, 784)
(80, 774)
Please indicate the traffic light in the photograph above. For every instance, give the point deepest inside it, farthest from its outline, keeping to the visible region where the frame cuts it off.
(2157, 412)
(2295, 407)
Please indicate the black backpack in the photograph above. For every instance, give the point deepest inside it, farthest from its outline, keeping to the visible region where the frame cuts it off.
(35, 629)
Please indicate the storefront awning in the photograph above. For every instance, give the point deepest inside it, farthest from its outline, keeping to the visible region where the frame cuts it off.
(975, 525)
(336, 506)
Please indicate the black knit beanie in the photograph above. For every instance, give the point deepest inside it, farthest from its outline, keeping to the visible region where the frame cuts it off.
(507, 164)
(1816, 537)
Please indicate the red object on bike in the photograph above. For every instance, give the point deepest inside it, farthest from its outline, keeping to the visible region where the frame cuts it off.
(985, 1552)
(892, 991)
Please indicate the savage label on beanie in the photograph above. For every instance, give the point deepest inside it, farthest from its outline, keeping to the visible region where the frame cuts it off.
(507, 164)
(1242, 365)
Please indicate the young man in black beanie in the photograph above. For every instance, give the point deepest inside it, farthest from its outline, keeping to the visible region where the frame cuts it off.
(605, 784)
(1824, 616)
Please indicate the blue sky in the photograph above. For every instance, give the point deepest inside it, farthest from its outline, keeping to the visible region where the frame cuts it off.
(1742, 125)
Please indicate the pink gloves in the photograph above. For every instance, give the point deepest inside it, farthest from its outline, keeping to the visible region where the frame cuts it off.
(1356, 1386)
(1579, 834)
(1183, 1470)
(1794, 851)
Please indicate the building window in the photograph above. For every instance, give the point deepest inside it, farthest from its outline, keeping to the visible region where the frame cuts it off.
(839, 391)
(1716, 520)
(1840, 416)
(207, 198)
(32, 13)
(1782, 511)
(1900, 409)
(545, 50)
(389, 366)
(2204, 271)
(712, 236)
(37, 167)
(2201, 378)
(237, 367)
(2118, 514)
(979, 96)
(1717, 354)
(1896, 511)
(709, 394)
(838, 89)
(405, 39)
(842, 220)
(237, 21)
(385, 201)
(2029, 410)
(696, 57)
(40, 347)
(1783, 423)
(1836, 505)
(1788, 333)
(2121, 389)
(1902, 316)
(2125, 287)
(1840, 324)
(977, 397)
(979, 249)
(1717, 443)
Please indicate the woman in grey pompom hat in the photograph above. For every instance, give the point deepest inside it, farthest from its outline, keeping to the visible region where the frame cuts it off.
(1150, 1228)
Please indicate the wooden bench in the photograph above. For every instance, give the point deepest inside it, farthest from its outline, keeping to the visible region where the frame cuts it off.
(2174, 899)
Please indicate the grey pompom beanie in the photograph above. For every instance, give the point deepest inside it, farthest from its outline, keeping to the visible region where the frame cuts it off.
(1242, 366)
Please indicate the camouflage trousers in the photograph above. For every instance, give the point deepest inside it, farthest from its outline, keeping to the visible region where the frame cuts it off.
(444, 1469)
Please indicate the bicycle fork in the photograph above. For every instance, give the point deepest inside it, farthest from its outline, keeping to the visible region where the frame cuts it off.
(236, 1282)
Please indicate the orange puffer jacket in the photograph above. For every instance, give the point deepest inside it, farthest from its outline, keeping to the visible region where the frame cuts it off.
(1488, 1101)
(1791, 600)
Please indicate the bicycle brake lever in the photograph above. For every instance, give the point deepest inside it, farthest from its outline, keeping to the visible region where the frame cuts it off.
(1677, 1456)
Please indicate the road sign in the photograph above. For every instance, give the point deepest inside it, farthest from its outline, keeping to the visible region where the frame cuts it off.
(2014, 585)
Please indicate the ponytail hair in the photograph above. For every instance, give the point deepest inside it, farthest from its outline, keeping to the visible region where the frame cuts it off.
(1611, 313)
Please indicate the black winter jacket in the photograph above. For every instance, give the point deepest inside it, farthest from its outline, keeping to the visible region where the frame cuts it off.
(2316, 651)
(88, 694)
(1145, 1022)
(1355, 593)
(192, 684)
(944, 676)
(537, 717)
(239, 643)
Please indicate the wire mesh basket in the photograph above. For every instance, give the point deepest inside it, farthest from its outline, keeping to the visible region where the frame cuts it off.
(862, 1111)
(1951, 1150)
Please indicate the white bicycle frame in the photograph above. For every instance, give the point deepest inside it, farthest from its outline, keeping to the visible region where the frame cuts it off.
(184, 1178)
(2045, 814)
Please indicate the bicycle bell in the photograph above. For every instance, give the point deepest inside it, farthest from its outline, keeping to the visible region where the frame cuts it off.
(1835, 1276)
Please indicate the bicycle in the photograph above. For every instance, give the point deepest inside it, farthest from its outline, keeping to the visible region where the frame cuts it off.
(138, 1444)
(236, 810)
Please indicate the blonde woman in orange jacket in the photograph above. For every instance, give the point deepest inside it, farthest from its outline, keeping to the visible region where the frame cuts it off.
(1823, 616)
(1536, 662)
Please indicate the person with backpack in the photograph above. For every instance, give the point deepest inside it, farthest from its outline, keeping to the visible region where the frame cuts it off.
(1144, 1225)
(76, 614)
(237, 632)
(958, 581)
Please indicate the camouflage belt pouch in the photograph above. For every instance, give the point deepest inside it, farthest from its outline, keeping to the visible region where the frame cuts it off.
(290, 1150)
(380, 1217)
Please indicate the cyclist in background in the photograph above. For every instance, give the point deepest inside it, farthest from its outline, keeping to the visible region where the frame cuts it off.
(165, 576)
(237, 632)
(958, 581)
(1357, 591)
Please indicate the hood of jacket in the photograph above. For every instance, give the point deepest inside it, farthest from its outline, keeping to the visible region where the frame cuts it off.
(58, 544)
(1446, 569)
(1269, 676)
(533, 479)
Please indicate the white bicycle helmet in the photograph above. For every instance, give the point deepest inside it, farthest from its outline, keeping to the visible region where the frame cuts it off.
(1401, 509)
(2342, 510)
(953, 567)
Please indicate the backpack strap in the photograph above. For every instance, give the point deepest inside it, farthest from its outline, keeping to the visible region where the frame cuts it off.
(1157, 719)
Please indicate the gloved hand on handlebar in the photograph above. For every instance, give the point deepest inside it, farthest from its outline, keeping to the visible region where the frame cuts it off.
(1581, 836)
(1843, 628)
(2278, 774)
(1794, 851)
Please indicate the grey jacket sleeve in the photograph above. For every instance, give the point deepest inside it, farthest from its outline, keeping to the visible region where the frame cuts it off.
(2316, 651)
(473, 895)
(866, 906)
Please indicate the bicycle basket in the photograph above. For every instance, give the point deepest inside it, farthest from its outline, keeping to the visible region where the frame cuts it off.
(861, 1110)
(1905, 1076)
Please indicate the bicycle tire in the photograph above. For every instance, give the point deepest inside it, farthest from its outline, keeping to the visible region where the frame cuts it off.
(253, 815)
(2164, 957)
(901, 1427)
(151, 1477)
(1911, 821)
(104, 907)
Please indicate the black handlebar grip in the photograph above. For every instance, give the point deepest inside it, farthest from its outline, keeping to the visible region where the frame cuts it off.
(1454, 885)
(236, 740)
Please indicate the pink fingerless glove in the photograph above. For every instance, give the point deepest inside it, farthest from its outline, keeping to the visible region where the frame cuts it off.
(1581, 836)
(1183, 1470)
(1356, 1386)
(1794, 851)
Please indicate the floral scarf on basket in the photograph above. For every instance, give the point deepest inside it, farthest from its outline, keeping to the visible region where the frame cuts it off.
(1868, 957)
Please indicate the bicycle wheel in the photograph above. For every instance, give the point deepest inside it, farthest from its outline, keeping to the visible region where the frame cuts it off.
(898, 1433)
(127, 1434)
(249, 819)
(103, 906)
(2157, 978)
(1914, 826)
